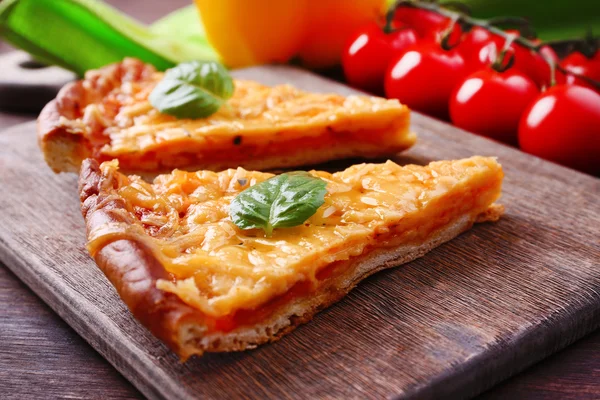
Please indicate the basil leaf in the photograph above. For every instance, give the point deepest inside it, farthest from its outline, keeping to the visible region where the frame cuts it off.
(194, 89)
(283, 201)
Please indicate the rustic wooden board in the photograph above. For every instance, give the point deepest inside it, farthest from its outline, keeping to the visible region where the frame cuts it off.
(452, 323)
(26, 85)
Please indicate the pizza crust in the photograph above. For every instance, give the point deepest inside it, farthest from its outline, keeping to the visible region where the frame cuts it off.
(62, 151)
(133, 270)
(60, 139)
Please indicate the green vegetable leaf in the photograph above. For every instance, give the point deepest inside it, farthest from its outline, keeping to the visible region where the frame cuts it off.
(283, 201)
(194, 89)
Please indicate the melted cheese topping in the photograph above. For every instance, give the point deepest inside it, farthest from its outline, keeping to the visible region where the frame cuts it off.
(218, 268)
(256, 112)
(119, 122)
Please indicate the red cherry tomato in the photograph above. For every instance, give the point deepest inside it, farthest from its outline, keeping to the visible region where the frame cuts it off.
(563, 125)
(473, 41)
(491, 103)
(527, 61)
(481, 48)
(423, 78)
(368, 52)
(426, 23)
(454, 39)
(534, 64)
(485, 57)
(580, 64)
(500, 41)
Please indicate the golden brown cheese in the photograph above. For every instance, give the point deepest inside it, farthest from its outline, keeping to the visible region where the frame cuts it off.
(219, 269)
(259, 112)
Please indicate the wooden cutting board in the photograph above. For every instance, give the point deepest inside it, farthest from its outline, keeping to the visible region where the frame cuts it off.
(27, 85)
(451, 324)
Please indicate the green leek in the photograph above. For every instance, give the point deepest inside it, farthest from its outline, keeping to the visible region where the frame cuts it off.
(85, 34)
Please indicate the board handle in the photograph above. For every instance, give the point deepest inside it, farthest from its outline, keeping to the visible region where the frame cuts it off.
(26, 85)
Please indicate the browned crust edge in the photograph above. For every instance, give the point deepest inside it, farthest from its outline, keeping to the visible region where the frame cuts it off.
(133, 270)
(131, 267)
(65, 147)
(63, 151)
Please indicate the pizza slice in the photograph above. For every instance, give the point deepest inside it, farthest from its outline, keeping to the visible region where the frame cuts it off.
(108, 116)
(202, 284)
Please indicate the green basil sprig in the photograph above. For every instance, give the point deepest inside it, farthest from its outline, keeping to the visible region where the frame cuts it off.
(282, 201)
(194, 89)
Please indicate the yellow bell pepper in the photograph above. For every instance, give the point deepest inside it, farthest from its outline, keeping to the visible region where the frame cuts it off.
(330, 23)
(249, 32)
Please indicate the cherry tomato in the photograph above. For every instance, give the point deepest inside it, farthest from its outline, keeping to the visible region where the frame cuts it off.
(534, 64)
(426, 23)
(491, 103)
(423, 78)
(454, 39)
(580, 64)
(563, 125)
(500, 41)
(368, 53)
(485, 57)
(527, 61)
(473, 41)
(481, 48)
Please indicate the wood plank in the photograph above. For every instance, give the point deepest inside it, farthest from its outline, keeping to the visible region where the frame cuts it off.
(572, 374)
(453, 323)
(28, 373)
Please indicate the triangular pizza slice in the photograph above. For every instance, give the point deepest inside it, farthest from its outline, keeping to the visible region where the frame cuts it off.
(108, 116)
(201, 283)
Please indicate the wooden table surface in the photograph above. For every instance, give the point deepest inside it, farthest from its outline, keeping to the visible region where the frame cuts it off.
(70, 368)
